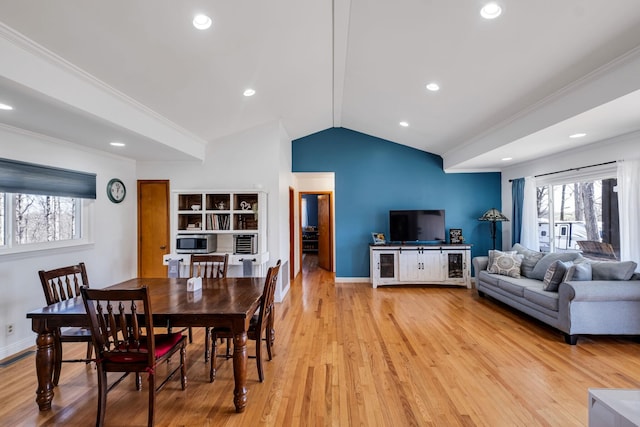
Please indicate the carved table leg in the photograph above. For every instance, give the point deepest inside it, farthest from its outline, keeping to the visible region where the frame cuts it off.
(240, 370)
(44, 370)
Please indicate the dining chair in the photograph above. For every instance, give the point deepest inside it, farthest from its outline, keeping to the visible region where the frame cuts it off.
(118, 318)
(209, 267)
(61, 284)
(261, 323)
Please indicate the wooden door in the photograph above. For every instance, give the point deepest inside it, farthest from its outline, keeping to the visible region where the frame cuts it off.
(153, 227)
(324, 232)
(292, 227)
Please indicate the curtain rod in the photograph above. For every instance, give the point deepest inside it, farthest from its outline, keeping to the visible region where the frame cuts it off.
(573, 169)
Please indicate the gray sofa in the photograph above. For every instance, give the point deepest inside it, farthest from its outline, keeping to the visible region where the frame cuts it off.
(586, 307)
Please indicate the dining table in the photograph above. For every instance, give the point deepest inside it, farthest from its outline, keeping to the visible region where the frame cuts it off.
(225, 302)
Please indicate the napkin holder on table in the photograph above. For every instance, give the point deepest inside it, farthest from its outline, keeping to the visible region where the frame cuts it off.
(194, 284)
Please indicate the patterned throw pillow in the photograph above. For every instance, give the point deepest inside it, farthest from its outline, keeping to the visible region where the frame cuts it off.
(505, 264)
(555, 274)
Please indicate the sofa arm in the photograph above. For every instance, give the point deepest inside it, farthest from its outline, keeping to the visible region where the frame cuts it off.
(600, 290)
(480, 263)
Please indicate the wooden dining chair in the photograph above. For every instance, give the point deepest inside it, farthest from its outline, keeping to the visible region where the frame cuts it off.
(209, 267)
(118, 318)
(262, 322)
(61, 284)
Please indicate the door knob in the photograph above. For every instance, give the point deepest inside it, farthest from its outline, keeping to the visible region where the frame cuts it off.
(163, 247)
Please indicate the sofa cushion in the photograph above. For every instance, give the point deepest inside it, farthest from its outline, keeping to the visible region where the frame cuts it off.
(529, 259)
(488, 278)
(554, 275)
(542, 298)
(506, 264)
(513, 286)
(578, 271)
(543, 265)
(613, 270)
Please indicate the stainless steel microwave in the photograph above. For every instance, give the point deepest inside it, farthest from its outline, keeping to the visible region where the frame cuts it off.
(196, 243)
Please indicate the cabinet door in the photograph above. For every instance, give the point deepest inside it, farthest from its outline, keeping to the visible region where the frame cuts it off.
(409, 266)
(384, 268)
(430, 266)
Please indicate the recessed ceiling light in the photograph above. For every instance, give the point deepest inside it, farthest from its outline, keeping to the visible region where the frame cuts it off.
(491, 10)
(201, 22)
(404, 124)
(577, 135)
(433, 87)
(5, 107)
(506, 159)
(249, 92)
(117, 144)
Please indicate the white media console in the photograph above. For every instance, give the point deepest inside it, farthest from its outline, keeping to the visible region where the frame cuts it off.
(435, 264)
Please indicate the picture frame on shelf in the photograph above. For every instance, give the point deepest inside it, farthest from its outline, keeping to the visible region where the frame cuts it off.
(378, 238)
(455, 236)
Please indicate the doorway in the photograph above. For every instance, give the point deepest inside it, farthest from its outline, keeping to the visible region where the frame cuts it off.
(316, 229)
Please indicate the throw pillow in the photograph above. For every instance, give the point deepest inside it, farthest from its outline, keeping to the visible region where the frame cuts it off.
(613, 270)
(529, 260)
(554, 275)
(543, 265)
(578, 271)
(506, 264)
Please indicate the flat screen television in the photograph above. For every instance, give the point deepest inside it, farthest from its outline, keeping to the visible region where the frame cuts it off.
(417, 226)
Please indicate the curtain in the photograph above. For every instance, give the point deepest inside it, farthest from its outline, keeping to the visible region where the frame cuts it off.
(517, 197)
(629, 206)
(529, 231)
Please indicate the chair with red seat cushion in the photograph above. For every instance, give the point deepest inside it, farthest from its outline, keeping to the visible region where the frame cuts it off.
(58, 285)
(118, 317)
(262, 322)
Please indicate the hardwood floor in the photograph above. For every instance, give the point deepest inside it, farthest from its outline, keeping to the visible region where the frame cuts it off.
(348, 354)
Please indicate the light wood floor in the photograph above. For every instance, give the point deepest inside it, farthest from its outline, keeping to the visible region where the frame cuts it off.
(347, 354)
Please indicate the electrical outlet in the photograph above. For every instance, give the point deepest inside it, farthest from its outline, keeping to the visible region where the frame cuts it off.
(10, 329)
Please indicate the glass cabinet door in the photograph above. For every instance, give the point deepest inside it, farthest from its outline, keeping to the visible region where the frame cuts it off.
(387, 266)
(455, 266)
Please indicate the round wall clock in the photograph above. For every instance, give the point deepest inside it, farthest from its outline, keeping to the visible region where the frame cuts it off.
(116, 190)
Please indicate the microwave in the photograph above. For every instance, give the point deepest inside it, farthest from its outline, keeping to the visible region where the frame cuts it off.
(196, 243)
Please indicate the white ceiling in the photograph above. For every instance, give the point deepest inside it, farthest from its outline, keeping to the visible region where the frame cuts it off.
(514, 87)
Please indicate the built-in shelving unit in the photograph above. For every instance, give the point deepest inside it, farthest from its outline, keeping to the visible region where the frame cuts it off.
(238, 219)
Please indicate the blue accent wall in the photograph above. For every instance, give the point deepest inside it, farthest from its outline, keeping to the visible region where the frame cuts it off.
(374, 176)
(312, 208)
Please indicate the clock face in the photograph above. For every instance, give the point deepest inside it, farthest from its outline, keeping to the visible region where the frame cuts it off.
(116, 190)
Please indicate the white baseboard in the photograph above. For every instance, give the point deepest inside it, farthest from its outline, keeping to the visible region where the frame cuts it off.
(16, 347)
(353, 280)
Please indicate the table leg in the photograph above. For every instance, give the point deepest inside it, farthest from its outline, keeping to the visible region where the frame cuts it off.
(44, 369)
(240, 370)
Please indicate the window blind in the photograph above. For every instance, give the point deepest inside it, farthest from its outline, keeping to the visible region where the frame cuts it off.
(31, 178)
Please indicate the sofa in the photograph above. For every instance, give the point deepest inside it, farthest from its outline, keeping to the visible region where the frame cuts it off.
(589, 298)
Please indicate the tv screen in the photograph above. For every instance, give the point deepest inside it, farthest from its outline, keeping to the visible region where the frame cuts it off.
(417, 225)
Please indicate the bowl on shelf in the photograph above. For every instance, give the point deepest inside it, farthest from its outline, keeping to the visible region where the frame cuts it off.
(195, 207)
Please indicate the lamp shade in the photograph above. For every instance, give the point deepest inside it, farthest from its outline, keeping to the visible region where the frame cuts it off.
(493, 215)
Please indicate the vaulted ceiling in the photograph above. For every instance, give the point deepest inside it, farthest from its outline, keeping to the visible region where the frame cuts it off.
(91, 71)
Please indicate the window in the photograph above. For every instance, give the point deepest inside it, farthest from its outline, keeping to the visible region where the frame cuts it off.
(43, 207)
(33, 220)
(578, 209)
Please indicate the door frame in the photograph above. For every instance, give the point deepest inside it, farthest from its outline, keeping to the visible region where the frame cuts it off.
(331, 225)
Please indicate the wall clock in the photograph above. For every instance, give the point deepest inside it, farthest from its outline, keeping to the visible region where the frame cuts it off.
(116, 190)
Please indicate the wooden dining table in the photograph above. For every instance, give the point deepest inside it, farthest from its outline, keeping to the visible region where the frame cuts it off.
(228, 302)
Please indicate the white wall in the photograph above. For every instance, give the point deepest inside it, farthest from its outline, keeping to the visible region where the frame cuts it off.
(625, 147)
(257, 159)
(111, 259)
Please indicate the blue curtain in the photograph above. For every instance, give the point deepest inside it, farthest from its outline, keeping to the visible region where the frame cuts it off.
(517, 196)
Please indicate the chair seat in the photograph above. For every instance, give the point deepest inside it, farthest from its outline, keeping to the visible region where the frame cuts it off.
(164, 343)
